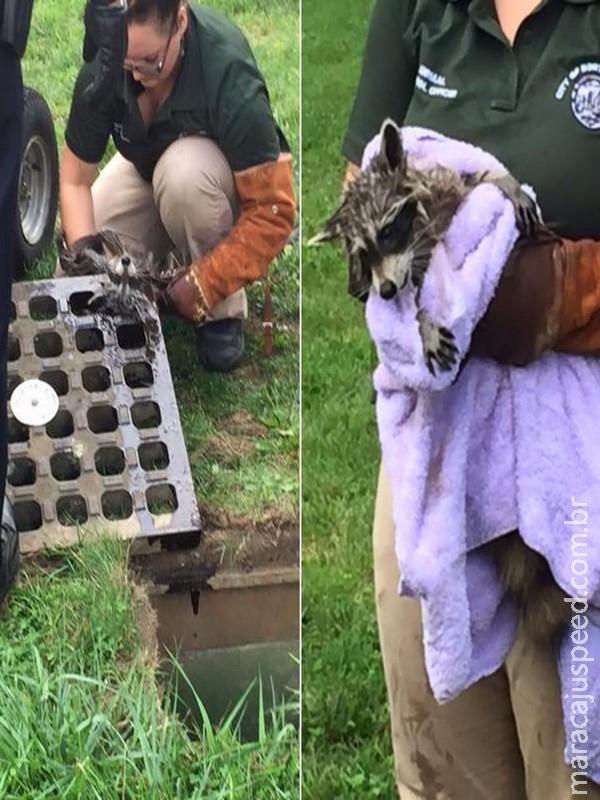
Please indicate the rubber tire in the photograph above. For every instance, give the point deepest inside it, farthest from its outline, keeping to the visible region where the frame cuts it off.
(36, 221)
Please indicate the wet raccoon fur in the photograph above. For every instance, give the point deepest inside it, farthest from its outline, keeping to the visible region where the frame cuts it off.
(390, 218)
(134, 282)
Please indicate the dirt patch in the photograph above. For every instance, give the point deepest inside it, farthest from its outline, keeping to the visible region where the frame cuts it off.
(146, 623)
(224, 447)
(233, 542)
(242, 423)
(230, 544)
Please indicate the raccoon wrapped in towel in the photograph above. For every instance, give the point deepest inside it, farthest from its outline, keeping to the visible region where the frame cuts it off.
(394, 213)
(392, 217)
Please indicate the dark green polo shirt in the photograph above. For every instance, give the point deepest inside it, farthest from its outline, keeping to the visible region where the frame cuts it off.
(219, 93)
(536, 106)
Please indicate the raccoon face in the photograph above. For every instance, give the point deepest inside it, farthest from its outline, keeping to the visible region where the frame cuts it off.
(380, 222)
(388, 260)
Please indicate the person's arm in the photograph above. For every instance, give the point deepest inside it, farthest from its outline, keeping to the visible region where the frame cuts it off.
(388, 73)
(76, 206)
(548, 298)
(105, 38)
(352, 171)
(246, 132)
(266, 218)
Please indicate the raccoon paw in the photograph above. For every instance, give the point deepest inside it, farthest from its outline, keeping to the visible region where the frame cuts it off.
(526, 212)
(439, 349)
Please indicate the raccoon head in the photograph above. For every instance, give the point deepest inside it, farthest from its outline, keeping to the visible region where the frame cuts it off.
(378, 221)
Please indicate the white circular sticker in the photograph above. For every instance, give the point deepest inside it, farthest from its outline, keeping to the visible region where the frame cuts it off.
(34, 402)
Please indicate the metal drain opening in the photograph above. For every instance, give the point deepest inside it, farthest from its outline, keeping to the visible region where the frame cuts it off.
(102, 419)
(47, 345)
(138, 374)
(13, 382)
(78, 303)
(17, 432)
(161, 499)
(12, 314)
(153, 455)
(28, 515)
(109, 461)
(131, 337)
(71, 510)
(117, 505)
(65, 466)
(13, 351)
(89, 339)
(57, 379)
(43, 307)
(95, 379)
(21, 472)
(145, 414)
(61, 425)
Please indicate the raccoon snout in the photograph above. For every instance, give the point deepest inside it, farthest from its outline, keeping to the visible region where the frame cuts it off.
(388, 289)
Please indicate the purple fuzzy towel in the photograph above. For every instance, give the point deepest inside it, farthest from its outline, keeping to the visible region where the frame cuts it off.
(501, 448)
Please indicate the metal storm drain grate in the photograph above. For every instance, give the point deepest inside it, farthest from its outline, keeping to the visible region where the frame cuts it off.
(113, 454)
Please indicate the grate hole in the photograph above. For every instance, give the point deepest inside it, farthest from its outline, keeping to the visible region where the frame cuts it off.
(57, 379)
(78, 303)
(102, 419)
(28, 515)
(71, 510)
(17, 432)
(153, 455)
(47, 345)
(117, 505)
(65, 466)
(109, 461)
(161, 499)
(145, 414)
(21, 472)
(138, 375)
(60, 426)
(13, 382)
(43, 307)
(89, 339)
(13, 351)
(95, 379)
(13, 312)
(131, 337)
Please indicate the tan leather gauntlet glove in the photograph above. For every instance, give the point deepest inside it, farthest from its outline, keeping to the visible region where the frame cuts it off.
(548, 298)
(264, 224)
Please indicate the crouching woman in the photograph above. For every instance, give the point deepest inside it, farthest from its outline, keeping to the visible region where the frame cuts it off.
(202, 169)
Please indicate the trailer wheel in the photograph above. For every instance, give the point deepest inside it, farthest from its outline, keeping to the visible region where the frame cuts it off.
(38, 182)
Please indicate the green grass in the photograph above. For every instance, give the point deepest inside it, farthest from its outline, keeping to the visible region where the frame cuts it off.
(255, 472)
(81, 713)
(346, 745)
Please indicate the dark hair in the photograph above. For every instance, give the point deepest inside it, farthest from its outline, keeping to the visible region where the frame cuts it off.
(160, 11)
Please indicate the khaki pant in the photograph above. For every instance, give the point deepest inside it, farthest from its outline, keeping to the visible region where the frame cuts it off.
(190, 205)
(502, 739)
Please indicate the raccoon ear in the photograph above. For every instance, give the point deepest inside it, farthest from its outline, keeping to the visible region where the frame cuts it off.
(331, 231)
(391, 145)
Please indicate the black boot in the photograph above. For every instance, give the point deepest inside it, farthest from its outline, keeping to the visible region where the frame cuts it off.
(220, 344)
(9, 550)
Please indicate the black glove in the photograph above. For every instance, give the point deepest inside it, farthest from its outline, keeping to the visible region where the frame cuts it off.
(105, 36)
